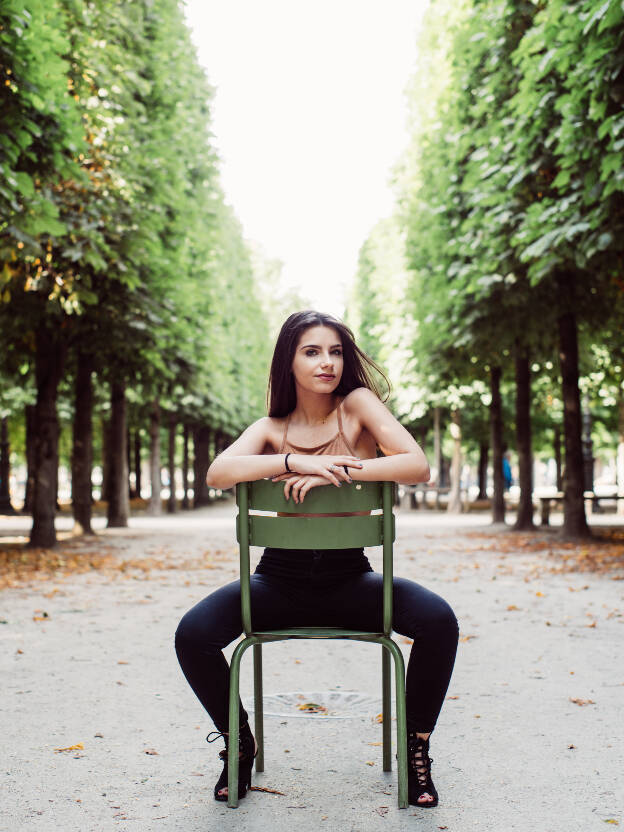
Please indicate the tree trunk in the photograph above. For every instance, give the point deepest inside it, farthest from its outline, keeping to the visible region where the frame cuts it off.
(30, 458)
(557, 448)
(5, 468)
(201, 442)
(106, 441)
(82, 450)
(49, 364)
(185, 467)
(220, 443)
(171, 502)
(118, 505)
(56, 479)
(455, 503)
(155, 506)
(574, 520)
(496, 425)
(524, 518)
(484, 451)
(422, 441)
(437, 449)
(131, 490)
(620, 456)
(137, 462)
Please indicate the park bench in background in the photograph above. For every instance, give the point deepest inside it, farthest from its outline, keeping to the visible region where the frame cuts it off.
(282, 530)
(418, 496)
(592, 503)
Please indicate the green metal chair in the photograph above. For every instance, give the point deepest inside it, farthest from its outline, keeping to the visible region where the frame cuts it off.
(319, 533)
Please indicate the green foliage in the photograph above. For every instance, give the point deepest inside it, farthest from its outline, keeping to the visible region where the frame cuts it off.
(113, 227)
(510, 188)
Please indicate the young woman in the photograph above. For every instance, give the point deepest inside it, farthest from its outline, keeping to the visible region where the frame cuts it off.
(325, 424)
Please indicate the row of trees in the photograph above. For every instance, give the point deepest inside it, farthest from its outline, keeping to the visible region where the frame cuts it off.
(125, 283)
(505, 255)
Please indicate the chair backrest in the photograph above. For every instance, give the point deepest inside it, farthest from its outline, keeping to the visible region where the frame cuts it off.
(330, 530)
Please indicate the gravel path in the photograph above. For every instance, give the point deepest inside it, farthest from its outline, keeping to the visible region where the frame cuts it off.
(530, 738)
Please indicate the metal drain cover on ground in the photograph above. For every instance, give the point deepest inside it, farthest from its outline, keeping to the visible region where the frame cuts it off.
(327, 704)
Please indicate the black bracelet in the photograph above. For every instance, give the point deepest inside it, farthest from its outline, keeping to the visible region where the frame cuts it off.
(345, 470)
(286, 463)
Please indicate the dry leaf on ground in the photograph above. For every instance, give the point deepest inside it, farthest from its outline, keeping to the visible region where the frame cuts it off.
(265, 789)
(312, 708)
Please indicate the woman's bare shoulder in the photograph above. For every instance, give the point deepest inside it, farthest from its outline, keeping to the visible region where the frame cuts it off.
(273, 427)
(359, 399)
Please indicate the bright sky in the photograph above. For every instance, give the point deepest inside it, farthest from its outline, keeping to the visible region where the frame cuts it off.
(309, 119)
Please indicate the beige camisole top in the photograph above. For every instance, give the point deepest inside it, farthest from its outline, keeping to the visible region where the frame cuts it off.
(337, 445)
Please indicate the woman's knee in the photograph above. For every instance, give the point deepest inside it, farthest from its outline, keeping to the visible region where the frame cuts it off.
(445, 620)
(430, 614)
(197, 632)
(186, 633)
(213, 623)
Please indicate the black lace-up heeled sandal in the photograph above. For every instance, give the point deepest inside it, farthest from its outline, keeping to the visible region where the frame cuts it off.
(419, 772)
(246, 747)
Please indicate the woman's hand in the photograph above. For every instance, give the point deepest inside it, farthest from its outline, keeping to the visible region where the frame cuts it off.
(298, 485)
(332, 468)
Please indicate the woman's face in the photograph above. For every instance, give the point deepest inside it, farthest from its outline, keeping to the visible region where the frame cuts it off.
(318, 361)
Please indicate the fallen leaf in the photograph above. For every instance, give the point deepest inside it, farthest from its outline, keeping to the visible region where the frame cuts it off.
(378, 718)
(19, 651)
(151, 752)
(381, 810)
(452, 697)
(467, 638)
(571, 746)
(592, 625)
(43, 615)
(312, 708)
(540, 594)
(370, 763)
(612, 820)
(582, 701)
(374, 743)
(78, 747)
(512, 607)
(123, 662)
(265, 789)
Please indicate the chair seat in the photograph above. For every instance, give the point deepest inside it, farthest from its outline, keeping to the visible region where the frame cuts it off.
(318, 632)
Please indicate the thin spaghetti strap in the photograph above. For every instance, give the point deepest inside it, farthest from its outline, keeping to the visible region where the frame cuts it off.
(283, 445)
(344, 438)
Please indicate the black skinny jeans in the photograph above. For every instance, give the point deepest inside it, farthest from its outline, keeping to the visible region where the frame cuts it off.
(355, 602)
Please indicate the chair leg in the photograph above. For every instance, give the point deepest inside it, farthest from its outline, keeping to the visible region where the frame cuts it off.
(258, 705)
(401, 716)
(386, 709)
(237, 655)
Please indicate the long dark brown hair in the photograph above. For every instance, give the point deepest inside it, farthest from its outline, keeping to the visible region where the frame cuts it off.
(358, 367)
